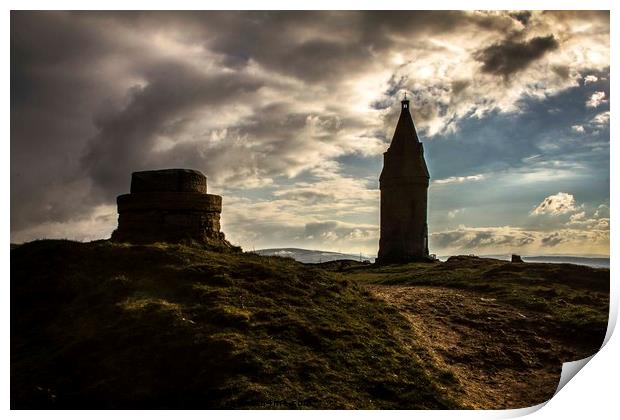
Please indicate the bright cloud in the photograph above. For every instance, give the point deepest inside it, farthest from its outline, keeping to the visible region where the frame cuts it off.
(590, 79)
(596, 99)
(577, 217)
(601, 119)
(578, 128)
(459, 179)
(453, 213)
(556, 204)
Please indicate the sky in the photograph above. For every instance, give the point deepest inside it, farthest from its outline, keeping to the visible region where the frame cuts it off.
(288, 115)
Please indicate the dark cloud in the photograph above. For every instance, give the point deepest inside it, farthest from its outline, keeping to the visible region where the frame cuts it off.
(523, 17)
(459, 86)
(446, 239)
(508, 57)
(354, 42)
(53, 97)
(272, 39)
(562, 71)
(469, 239)
(125, 139)
(320, 228)
(552, 240)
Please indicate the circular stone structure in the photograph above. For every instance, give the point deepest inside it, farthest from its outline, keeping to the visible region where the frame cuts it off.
(169, 205)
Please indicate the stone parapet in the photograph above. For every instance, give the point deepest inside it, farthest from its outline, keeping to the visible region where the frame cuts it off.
(169, 201)
(166, 180)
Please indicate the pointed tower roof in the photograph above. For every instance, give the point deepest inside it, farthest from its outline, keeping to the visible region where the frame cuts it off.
(405, 129)
(404, 159)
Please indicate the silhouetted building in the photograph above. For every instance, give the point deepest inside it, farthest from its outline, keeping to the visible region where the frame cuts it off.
(516, 258)
(404, 189)
(169, 205)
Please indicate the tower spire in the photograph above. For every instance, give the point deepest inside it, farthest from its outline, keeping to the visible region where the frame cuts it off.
(405, 129)
(404, 183)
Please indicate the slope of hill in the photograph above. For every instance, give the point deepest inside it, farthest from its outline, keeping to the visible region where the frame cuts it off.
(104, 325)
(503, 329)
(574, 298)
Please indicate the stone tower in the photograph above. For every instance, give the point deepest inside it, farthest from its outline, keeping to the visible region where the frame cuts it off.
(169, 205)
(404, 190)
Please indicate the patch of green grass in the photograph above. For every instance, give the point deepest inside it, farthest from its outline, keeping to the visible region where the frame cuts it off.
(106, 325)
(575, 299)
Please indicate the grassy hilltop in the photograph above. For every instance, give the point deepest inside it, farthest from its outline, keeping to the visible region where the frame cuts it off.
(502, 329)
(171, 326)
(105, 325)
(573, 299)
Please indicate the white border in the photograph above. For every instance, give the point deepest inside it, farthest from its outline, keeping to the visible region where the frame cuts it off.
(593, 394)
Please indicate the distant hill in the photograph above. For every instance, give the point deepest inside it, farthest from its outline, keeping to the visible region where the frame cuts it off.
(316, 256)
(596, 262)
(589, 261)
(310, 256)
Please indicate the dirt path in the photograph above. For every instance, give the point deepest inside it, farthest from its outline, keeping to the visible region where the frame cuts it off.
(500, 356)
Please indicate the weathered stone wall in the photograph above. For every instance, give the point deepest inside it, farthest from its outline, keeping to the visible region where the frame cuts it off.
(404, 232)
(169, 205)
